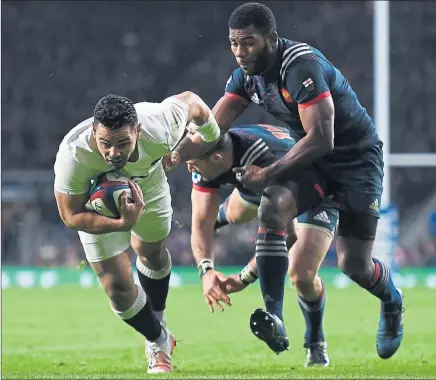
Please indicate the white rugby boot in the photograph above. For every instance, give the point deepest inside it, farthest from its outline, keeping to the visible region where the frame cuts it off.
(159, 354)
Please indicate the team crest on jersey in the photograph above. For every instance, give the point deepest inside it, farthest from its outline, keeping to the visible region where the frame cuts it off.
(196, 178)
(308, 83)
(286, 95)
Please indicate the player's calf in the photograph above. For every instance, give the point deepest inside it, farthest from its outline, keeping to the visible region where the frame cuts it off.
(153, 266)
(272, 265)
(354, 258)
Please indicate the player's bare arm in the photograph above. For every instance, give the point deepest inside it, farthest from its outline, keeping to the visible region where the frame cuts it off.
(202, 122)
(237, 282)
(73, 212)
(227, 109)
(204, 210)
(317, 120)
(225, 113)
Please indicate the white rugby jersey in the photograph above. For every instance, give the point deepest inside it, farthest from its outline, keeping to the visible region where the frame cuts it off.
(162, 127)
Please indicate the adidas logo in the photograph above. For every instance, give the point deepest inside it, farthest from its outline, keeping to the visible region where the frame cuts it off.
(255, 98)
(322, 217)
(374, 205)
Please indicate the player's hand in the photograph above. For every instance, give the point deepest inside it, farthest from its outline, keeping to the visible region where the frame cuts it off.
(171, 161)
(212, 290)
(252, 177)
(233, 284)
(130, 211)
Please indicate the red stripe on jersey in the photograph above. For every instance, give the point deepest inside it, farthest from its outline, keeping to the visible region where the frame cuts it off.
(237, 97)
(315, 100)
(319, 190)
(204, 189)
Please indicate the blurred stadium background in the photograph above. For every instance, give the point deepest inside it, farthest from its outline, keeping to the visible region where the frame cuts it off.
(60, 57)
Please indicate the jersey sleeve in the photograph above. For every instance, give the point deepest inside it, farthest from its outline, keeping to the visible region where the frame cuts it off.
(204, 186)
(306, 81)
(235, 87)
(177, 114)
(71, 177)
(163, 125)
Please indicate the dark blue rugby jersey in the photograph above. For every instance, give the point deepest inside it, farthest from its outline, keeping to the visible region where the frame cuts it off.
(255, 144)
(302, 76)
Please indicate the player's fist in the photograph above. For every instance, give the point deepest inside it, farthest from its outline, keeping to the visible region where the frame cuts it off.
(252, 177)
(130, 212)
(171, 161)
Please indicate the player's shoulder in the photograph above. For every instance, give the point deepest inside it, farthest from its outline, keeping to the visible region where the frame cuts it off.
(77, 136)
(295, 53)
(237, 75)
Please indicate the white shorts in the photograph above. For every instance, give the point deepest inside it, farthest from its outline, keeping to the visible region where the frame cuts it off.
(154, 225)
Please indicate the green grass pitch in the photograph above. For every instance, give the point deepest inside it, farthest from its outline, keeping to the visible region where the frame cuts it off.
(69, 332)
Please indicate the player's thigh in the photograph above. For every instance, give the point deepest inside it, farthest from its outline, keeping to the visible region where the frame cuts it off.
(355, 239)
(315, 233)
(242, 207)
(307, 188)
(150, 232)
(358, 181)
(115, 275)
(323, 217)
(102, 247)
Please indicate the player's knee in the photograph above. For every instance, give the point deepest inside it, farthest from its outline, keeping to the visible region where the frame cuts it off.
(121, 293)
(272, 214)
(302, 279)
(357, 270)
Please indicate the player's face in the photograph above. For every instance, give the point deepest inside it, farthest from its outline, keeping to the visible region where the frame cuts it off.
(251, 49)
(116, 146)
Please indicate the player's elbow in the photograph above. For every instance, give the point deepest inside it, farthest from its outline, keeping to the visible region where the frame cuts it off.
(199, 112)
(68, 219)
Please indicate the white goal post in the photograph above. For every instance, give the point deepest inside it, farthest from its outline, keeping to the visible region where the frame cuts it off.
(387, 234)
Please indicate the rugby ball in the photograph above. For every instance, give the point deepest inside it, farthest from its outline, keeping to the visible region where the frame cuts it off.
(104, 197)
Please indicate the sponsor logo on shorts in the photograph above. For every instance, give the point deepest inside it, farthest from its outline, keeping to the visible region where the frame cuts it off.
(322, 217)
(375, 206)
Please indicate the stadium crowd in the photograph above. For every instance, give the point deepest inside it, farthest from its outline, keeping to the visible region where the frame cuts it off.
(51, 82)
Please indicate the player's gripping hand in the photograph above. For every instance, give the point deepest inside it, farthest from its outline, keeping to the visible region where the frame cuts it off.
(233, 284)
(252, 177)
(213, 290)
(130, 212)
(171, 161)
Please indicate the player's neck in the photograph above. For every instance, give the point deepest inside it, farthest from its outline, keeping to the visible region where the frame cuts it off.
(272, 59)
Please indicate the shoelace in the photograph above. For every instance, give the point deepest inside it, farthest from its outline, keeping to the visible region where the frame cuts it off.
(392, 321)
(153, 357)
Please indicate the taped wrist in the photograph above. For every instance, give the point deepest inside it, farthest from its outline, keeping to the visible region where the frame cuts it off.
(209, 131)
(204, 266)
(247, 275)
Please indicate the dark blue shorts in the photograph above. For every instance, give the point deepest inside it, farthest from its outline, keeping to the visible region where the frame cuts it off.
(324, 216)
(355, 179)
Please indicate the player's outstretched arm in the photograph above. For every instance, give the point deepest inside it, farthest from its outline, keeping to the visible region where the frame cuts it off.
(317, 120)
(204, 210)
(237, 282)
(224, 114)
(201, 122)
(227, 109)
(73, 213)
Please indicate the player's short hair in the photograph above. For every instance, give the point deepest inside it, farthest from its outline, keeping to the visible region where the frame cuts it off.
(220, 146)
(115, 111)
(258, 15)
